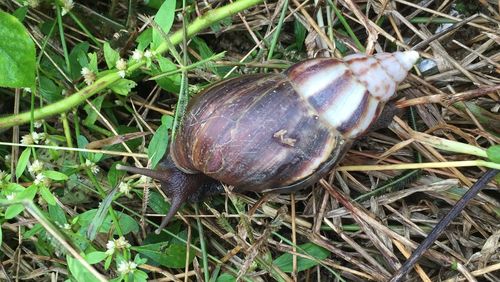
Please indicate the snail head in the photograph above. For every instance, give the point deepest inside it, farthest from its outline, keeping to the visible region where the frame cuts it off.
(179, 186)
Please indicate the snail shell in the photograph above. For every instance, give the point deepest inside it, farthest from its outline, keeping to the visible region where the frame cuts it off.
(278, 132)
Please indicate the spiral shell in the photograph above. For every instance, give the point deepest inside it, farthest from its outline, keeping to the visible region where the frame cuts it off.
(349, 94)
(283, 131)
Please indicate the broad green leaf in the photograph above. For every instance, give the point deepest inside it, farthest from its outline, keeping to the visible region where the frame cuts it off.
(91, 113)
(49, 90)
(95, 257)
(23, 162)
(20, 13)
(17, 54)
(164, 18)
(110, 55)
(144, 39)
(55, 175)
(78, 271)
(157, 203)
(56, 214)
(226, 277)
(114, 175)
(13, 210)
(158, 145)
(123, 86)
(285, 261)
(493, 153)
(78, 59)
(47, 195)
(174, 256)
(127, 223)
(28, 193)
(171, 83)
(100, 216)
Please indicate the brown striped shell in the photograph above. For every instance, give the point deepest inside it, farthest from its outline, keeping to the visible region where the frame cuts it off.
(276, 131)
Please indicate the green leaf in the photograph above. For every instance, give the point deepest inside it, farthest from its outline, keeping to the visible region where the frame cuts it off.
(100, 216)
(91, 113)
(164, 18)
(158, 145)
(174, 256)
(17, 54)
(13, 211)
(285, 262)
(55, 175)
(114, 175)
(493, 153)
(123, 86)
(110, 55)
(78, 271)
(226, 277)
(49, 90)
(28, 193)
(47, 195)
(157, 203)
(56, 214)
(171, 83)
(23, 162)
(127, 223)
(78, 59)
(20, 13)
(95, 257)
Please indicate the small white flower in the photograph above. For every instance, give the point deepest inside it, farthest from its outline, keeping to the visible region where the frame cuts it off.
(117, 244)
(38, 123)
(67, 5)
(148, 54)
(36, 167)
(92, 166)
(88, 75)
(27, 89)
(27, 139)
(122, 243)
(121, 64)
(110, 246)
(39, 179)
(144, 179)
(125, 267)
(8, 158)
(11, 196)
(137, 55)
(32, 3)
(67, 226)
(124, 188)
(38, 137)
(121, 73)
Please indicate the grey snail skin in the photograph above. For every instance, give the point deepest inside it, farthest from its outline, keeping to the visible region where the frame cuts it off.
(277, 132)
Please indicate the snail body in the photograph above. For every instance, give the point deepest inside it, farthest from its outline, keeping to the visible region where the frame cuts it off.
(278, 132)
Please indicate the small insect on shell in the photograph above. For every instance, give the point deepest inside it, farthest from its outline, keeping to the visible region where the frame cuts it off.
(277, 132)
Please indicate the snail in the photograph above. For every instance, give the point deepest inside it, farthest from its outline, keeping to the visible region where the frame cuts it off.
(276, 132)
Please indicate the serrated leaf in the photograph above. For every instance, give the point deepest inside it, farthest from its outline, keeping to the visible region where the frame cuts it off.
(164, 18)
(123, 86)
(55, 175)
(493, 153)
(17, 53)
(110, 55)
(158, 145)
(23, 162)
(285, 261)
(95, 257)
(47, 195)
(174, 256)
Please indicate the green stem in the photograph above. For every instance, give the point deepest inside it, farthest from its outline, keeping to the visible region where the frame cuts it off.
(79, 97)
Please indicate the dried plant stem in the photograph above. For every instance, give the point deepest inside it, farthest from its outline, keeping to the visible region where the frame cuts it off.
(420, 165)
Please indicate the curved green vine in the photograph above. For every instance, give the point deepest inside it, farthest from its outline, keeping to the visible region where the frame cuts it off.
(79, 97)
